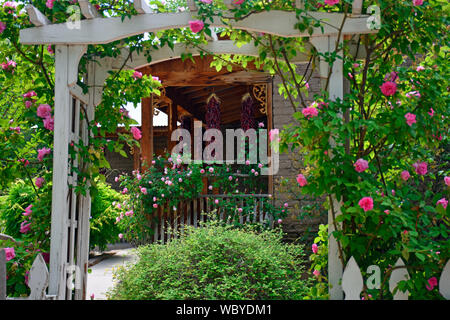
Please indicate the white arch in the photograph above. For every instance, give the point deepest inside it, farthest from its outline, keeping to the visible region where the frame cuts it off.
(105, 30)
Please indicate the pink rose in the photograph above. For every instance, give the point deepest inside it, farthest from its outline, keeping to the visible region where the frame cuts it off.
(432, 282)
(137, 75)
(238, 2)
(447, 181)
(49, 4)
(2, 27)
(216, 201)
(28, 211)
(317, 272)
(331, 2)
(431, 112)
(44, 111)
(43, 152)
(417, 2)
(314, 248)
(10, 5)
(421, 168)
(28, 104)
(120, 237)
(9, 253)
(310, 112)
(196, 25)
(144, 190)
(49, 49)
(301, 180)
(49, 123)
(206, 1)
(405, 175)
(443, 202)
(366, 203)
(125, 190)
(155, 205)
(389, 88)
(136, 133)
(30, 94)
(273, 134)
(361, 165)
(25, 227)
(410, 118)
(420, 68)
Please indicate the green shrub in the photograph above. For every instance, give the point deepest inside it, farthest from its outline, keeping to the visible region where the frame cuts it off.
(104, 228)
(215, 262)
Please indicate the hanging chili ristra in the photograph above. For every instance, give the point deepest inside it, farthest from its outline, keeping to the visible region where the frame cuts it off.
(247, 111)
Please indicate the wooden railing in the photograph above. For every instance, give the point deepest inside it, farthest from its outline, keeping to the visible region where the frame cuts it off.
(170, 221)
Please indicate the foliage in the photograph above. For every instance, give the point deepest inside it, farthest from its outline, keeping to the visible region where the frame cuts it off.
(215, 262)
(103, 227)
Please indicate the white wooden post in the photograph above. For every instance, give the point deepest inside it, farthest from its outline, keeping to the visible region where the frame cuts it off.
(38, 279)
(66, 68)
(352, 281)
(336, 90)
(444, 281)
(398, 275)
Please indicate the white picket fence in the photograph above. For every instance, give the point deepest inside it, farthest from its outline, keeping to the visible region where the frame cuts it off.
(353, 282)
(37, 279)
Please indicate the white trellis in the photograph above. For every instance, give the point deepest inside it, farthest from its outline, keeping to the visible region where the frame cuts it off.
(70, 213)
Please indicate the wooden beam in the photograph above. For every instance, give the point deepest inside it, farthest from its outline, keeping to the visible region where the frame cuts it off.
(139, 60)
(191, 5)
(142, 7)
(36, 17)
(147, 130)
(278, 23)
(357, 7)
(88, 10)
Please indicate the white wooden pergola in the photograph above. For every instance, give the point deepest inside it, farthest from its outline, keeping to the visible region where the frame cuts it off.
(71, 212)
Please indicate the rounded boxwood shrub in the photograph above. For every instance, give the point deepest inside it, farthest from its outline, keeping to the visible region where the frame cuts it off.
(215, 262)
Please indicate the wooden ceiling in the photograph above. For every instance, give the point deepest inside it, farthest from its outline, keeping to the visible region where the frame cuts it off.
(189, 84)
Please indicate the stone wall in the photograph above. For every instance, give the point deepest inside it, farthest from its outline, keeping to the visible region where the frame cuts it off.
(295, 228)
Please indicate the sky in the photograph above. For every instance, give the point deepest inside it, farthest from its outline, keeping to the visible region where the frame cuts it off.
(135, 113)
